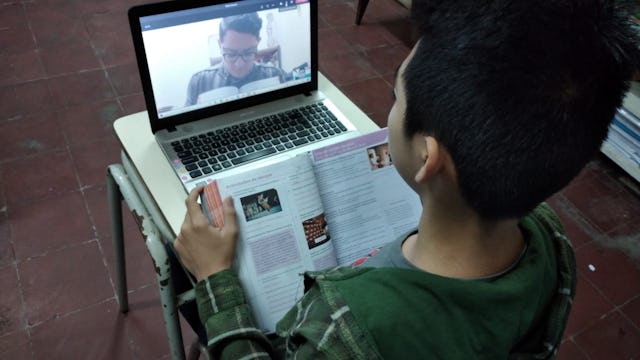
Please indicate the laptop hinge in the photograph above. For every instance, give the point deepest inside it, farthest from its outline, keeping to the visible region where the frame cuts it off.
(308, 93)
(171, 129)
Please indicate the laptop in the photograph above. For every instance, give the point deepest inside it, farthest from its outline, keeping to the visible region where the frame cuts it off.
(230, 85)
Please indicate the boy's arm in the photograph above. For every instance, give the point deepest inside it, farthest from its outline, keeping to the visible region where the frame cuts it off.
(227, 317)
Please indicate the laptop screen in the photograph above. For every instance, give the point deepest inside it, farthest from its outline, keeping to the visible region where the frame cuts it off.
(198, 59)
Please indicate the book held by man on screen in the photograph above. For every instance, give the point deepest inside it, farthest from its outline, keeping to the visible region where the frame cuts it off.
(322, 209)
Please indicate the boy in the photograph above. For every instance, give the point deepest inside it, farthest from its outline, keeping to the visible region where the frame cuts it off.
(498, 106)
(238, 40)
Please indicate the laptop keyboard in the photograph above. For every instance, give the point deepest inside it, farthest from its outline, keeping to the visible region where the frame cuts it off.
(226, 148)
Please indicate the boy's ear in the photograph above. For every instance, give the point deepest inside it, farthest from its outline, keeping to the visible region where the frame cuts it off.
(428, 151)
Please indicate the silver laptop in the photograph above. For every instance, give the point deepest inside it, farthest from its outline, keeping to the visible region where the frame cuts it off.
(232, 84)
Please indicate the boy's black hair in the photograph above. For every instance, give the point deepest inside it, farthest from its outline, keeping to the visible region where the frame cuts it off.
(244, 23)
(520, 92)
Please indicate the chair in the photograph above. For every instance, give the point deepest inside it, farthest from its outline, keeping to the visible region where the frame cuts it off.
(362, 7)
(122, 182)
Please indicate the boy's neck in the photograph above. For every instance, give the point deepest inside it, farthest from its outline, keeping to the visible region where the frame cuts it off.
(454, 242)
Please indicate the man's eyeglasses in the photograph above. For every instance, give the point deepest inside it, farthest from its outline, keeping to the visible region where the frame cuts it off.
(246, 55)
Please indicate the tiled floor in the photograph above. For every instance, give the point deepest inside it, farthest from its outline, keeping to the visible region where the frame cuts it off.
(67, 72)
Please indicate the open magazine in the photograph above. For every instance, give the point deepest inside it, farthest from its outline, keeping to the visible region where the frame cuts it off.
(313, 211)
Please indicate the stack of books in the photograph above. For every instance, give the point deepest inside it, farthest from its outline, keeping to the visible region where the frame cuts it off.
(622, 144)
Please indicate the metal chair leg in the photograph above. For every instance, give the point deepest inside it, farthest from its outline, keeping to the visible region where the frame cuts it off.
(120, 188)
(115, 208)
(362, 6)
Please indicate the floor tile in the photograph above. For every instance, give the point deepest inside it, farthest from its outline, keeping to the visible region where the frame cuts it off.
(107, 21)
(12, 317)
(589, 305)
(64, 281)
(15, 346)
(610, 270)
(578, 229)
(97, 332)
(632, 310)
(570, 351)
(605, 203)
(146, 325)
(364, 36)
(69, 58)
(140, 269)
(106, 32)
(372, 95)
(330, 42)
(31, 134)
(133, 103)
(379, 10)
(338, 15)
(38, 176)
(613, 337)
(399, 31)
(346, 68)
(12, 15)
(21, 67)
(111, 50)
(92, 159)
(113, 7)
(7, 255)
(55, 25)
(89, 122)
(25, 98)
(29, 219)
(96, 198)
(125, 79)
(386, 60)
(80, 88)
(16, 41)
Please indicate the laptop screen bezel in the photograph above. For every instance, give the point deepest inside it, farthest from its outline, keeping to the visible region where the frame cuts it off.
(170, 122)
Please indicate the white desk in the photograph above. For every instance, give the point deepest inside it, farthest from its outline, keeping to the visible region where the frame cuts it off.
(153, 192)
(163, 185)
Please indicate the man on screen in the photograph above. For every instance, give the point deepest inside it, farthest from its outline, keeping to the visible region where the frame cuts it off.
(239, 39)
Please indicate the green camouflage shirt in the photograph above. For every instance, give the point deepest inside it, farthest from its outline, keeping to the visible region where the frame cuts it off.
(375, 313)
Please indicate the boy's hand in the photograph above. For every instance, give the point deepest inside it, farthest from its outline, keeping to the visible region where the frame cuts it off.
(204, 249)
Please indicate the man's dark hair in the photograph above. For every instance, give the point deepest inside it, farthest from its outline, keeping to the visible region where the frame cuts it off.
(520, 92)
(244, 23)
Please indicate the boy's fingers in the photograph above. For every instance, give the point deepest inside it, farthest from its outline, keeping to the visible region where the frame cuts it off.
(193, 208)
(230, 220)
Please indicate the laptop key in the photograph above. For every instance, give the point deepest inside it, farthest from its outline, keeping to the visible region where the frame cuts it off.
(300, 141)
(189, 160)
(226, 164)
(207, 170)
(280, 147)
(252, 156)
(191, 167)
(194, 174)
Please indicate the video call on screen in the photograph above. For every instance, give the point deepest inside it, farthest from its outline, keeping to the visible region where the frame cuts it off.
(182, 44)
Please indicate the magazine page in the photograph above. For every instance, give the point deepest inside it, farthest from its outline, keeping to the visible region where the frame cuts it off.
(367, 203)
(283, 232)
